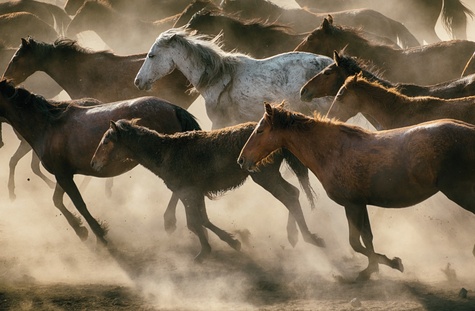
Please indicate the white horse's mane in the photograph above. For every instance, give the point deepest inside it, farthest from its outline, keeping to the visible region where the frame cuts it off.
(205, 49)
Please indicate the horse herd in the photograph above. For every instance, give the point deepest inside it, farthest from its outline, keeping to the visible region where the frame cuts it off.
(266, 102)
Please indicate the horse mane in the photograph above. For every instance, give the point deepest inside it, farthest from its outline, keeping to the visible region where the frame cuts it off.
(349, 34)
(52, 110)
(216, 61)
(62, 44)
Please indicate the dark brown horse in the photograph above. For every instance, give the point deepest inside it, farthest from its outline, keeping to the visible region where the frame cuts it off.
(390, 169)
(84, 73)
(198, 164)
(304, 21)
(14, 26)
(65, 134)
(255, 38)
(148, 10)
(430, 64)
(122, 33)
(386, 108)
(194, 7)
(329, 80)
(53, 15)
(419, 16)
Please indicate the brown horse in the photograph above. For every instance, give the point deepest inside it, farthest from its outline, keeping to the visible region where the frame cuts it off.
(65, 134)
(122, 33)
(386, 108)
(84, 73)
(429, 64)
(194, 7)
(304, 21)
(255, 38)
(52, 14)
(469, 67)
(419, 16)
(198, 164)
(390, 169)
(14, 26)
(329, 80)
(148, 10)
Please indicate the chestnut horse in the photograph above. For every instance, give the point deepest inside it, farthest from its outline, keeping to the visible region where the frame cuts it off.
(85, 73)
(198, 164)
(424, 65)
(390, 169)
(302, 20)
(329, 80)
(386, 108)
(65, 134)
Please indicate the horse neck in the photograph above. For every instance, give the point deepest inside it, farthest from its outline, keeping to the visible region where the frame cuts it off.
(379, 54)
(190, 65)
(377, 103)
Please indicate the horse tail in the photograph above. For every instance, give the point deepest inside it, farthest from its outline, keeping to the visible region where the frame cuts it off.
(301, 171)
(187, 121)
(454, 18)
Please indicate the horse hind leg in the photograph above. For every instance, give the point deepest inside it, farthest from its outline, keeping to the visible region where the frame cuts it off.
(169, 217)
(21, 151)
(35, 167)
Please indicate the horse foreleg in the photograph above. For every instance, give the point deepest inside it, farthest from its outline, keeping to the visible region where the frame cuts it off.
(67, 183)
(192, 203)
(21, 151)
(169, 217)
(35, 167)
(289, 196)
(223, 235)
(74, 221)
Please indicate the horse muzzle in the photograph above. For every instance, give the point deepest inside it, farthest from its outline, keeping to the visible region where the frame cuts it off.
(246, 165)
(142, 85)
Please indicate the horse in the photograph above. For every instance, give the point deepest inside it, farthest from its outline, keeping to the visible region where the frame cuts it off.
(21, 24)
(52, 14)
(386, 108)
(148, 10)
(411, 65)
(232, 84)
(329, 80)
(419, 16)
(64, 135)
(85, 73)
(252, 37)
(122, 33)
(356, 167)
(194, 7)
(304, 21)
(200, 164)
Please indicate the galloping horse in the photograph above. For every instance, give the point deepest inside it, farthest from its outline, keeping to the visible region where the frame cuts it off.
(386, 108)
(65, 134)
(424, 65)
(198, 164)
(419, 16)
(232, 84)
(329, 80)
(85, 73)
(303, 20)
(390, 169)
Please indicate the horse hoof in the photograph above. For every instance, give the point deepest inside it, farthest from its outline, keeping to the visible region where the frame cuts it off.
(170, 228)
(319, 241)
(236, 245)
(82, 233)
(293, 239)
(363, 276)
(12, 197)
(397, 264)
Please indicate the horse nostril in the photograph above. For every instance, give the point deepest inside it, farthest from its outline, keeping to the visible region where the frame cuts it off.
(303, 91)
(240, 161)
(137, 82)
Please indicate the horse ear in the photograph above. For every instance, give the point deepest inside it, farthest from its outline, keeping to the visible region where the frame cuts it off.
(330, 19)
(268, 108)
(113, 125)
(336, 58)
(326, 25)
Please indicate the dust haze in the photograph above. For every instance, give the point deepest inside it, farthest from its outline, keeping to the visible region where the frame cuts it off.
(39, 247)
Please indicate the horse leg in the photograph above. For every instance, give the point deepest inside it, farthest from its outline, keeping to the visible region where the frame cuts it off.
(74, 221)
(360, 227)
(21, 151)
(192, 202)
(35, 167)
(1, 136)
(67, 183)
(270, 179)
(223, 235)
(169, 217)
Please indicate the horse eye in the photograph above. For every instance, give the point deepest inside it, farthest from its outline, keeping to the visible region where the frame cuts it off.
(150, 56)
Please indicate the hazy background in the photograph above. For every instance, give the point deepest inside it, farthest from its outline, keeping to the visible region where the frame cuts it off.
(39, 246)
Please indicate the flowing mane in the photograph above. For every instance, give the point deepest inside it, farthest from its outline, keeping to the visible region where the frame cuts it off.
(217, 61)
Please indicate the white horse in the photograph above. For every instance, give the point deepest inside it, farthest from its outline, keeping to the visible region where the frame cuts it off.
(233, 85)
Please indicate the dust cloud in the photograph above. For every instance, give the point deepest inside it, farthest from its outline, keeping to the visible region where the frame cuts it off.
(39, 247)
